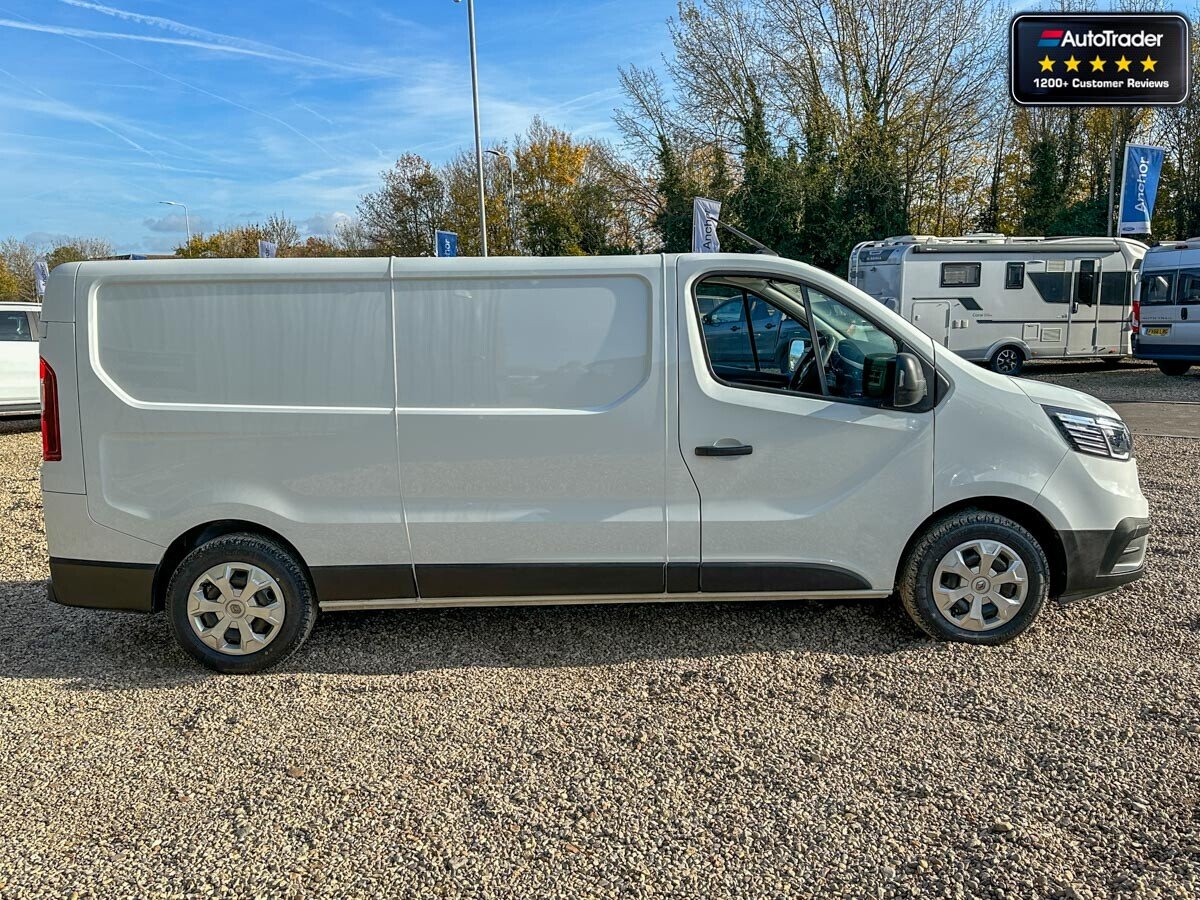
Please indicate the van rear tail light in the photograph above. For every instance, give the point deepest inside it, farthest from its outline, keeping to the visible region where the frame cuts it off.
(51, 436)
(1136, 321)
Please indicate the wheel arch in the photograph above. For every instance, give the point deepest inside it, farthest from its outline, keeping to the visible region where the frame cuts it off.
(1023, 514)
(996, 346)
(201, 534)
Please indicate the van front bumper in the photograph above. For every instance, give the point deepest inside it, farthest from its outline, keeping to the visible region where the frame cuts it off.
(1102, 561)
(102, 585)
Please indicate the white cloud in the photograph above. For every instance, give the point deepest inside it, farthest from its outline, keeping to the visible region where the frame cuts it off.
(176, 223)
(324, 224)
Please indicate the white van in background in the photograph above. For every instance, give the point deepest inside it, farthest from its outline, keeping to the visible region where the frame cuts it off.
(1167, 322)
(18, 359)
(1006, 300)
(245, 442)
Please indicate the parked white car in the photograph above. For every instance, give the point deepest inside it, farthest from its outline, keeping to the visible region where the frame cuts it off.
(18, 360)
(244, 443)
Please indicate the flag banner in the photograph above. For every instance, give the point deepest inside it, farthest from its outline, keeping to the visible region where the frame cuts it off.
(1139, 188)
(445, 243)
(41, 274)
(267, 250)
(705, 213)
(1100, 59)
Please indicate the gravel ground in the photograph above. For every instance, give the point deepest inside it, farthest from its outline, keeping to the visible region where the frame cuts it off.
(790, 749)
(1134, 379)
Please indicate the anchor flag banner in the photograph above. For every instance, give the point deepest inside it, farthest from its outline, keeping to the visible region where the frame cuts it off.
(705, 213)
(1143, 165)
(445, 243)
(41, 274)
(268, 249)
(1100, 59)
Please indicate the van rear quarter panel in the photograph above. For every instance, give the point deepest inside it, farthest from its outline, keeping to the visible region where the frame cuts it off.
(242, 389)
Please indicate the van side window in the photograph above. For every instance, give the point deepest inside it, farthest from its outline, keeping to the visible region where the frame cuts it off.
(1157, 288)
(856, 361)
(14, 326)
(1014, 276)
(1085, 283)
(965, 274)
(1189, 286)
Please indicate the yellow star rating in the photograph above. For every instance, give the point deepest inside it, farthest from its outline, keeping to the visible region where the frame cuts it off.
(1073, 63)
(1148, 64)
(1098, 64)
(1046, 63)
(1123, 63)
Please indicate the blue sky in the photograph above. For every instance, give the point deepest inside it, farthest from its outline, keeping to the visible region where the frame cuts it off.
(243, 109)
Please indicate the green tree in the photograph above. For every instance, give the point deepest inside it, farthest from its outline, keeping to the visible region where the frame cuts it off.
(10, 284)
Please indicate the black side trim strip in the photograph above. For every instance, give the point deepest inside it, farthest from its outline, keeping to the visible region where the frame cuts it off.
(364, 582)
(683, 578)
(581, 579)
(540, 579)
(102, 585)
(765, 578)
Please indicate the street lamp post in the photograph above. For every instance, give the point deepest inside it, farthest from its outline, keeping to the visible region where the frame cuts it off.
(478, 140)
(512, 194)
(187, 223)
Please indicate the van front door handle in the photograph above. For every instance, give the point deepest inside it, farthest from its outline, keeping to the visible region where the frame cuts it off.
(725, 450)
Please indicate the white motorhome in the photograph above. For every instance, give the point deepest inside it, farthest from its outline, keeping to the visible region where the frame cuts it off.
(1002, 300)
(244, 443)
(1167, 316)
(18, 359)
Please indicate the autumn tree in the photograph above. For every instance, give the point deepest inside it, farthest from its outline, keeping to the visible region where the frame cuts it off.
(10, 285)
(401, 217)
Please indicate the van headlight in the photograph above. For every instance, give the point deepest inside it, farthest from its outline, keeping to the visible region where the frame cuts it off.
(1095, 435)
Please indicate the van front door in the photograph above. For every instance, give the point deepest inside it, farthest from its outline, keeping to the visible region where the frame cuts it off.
(801, 490)
(1085, 307)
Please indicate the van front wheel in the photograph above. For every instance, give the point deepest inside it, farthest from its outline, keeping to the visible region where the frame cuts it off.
(1008, 360)
(975, 577)
(240, 603)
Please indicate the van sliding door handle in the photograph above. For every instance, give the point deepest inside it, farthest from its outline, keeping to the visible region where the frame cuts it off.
(725, 450)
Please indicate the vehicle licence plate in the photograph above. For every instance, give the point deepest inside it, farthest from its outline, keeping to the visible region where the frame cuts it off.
(1158, 332)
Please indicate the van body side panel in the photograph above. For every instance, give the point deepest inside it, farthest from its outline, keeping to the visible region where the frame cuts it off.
(531, 421)
(241, 390)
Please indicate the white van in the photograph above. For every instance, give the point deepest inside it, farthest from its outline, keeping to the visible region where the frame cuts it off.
(245, 442)
(1003, 301)
(1167, 320)
(18, 360)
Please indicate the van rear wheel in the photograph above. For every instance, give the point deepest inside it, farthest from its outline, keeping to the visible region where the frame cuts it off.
(1173, 367)
(975, 577)
(240, 603)
(1008, 360)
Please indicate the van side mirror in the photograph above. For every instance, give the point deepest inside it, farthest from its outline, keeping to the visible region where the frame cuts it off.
(911, 387)
(796, 350)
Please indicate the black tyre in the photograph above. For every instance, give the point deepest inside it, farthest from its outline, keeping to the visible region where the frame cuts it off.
(1008, 360)
(976, 577)
(1173, 367)
(240, 603)
(1112, 362)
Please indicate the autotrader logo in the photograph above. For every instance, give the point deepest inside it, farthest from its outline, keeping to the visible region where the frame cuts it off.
(1102, 59)
(1051, 37)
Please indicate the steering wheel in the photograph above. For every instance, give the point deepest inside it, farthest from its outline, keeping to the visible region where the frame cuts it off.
(806, 370)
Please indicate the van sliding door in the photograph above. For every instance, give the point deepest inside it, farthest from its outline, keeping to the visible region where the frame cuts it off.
(531, 417)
